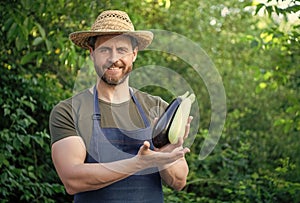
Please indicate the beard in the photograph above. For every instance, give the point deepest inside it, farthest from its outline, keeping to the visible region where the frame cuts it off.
(112, 81)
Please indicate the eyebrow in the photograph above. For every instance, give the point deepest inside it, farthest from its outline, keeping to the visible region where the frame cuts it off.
(107, 47)
(124, 48)
(103, 47)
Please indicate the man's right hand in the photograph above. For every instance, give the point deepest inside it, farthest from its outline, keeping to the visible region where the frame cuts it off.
(150, 158)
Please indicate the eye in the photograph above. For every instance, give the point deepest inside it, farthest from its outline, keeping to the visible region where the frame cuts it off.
(103, 50)
(122, 50)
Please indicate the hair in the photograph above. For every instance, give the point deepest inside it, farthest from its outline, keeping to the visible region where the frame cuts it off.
(92, 40)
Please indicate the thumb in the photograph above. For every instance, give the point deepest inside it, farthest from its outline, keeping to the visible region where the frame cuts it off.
(145, 147)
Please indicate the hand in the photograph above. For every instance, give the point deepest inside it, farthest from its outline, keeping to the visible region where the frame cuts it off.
(166, 154)
(149, 158)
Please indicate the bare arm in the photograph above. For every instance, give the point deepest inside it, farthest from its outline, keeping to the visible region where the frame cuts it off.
(175, 174)
(69, 154)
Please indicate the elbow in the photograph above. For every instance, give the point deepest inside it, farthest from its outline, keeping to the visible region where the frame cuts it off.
(180, 181)
(71, 187)
(72, 182)
(179, 185)
(70, 190)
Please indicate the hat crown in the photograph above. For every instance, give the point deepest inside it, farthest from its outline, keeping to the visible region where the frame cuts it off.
(113, 20)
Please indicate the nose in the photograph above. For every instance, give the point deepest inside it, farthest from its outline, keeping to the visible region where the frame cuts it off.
(114, 57)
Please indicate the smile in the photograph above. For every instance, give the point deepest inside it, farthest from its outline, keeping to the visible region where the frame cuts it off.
(113, 68)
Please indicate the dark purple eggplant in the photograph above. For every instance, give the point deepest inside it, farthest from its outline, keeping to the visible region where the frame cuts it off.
(161, 128)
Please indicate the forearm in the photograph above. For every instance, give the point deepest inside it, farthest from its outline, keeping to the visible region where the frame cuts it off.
(92, 176)
(175, 174)
(68, 156)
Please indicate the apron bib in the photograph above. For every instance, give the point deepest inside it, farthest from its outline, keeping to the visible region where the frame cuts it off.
(113, 144)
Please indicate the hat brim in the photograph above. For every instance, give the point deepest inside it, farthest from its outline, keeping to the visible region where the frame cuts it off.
(80, 38)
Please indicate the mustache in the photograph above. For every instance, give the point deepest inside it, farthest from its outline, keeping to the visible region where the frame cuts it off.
(107, 66)
(111, 65)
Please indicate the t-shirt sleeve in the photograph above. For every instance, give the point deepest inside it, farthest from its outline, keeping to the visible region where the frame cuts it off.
(61, 122)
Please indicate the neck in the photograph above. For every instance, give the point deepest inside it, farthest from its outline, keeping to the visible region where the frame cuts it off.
(113, 94)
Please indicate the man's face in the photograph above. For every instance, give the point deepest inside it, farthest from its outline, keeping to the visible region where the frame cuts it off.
(113, 57)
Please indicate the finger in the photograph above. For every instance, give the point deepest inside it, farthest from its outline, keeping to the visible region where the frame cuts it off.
(146, 145)
(187, 127)
(180, 142)
(176, 155)
(187, 131)
(180, 153)
(186, 150)
(155, 120)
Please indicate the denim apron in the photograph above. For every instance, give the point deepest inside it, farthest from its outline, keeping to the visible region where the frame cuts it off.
(113, 144)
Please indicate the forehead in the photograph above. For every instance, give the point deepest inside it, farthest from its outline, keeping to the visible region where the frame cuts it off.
(113, 40)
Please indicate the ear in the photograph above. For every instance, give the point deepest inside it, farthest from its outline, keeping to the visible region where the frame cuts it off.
(135, 52)
(91, 53)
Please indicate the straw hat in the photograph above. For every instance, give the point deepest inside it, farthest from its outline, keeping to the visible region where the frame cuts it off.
(112, 22)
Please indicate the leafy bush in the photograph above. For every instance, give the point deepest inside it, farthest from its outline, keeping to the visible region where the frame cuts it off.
(257, 157)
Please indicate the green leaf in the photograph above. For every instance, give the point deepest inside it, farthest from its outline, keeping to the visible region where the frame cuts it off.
(3, 160)
(41, 30)
(6, 109)
(258, 7)
(293, 9)
(48, 45)
(12, 32)
(32, 175)
(8, 23)
(269, 10)
(28, 58)
(37, 41)
(20, 43)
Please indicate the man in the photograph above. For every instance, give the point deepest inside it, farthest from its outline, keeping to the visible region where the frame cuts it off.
(101, 137)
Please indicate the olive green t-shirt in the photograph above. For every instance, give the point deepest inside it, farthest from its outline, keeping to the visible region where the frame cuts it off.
(73, 116)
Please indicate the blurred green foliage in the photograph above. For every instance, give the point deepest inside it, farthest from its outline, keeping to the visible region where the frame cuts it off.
(254, 46)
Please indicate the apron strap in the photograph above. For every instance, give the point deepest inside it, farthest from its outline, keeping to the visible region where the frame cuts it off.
(97, 114)
(141, 111)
